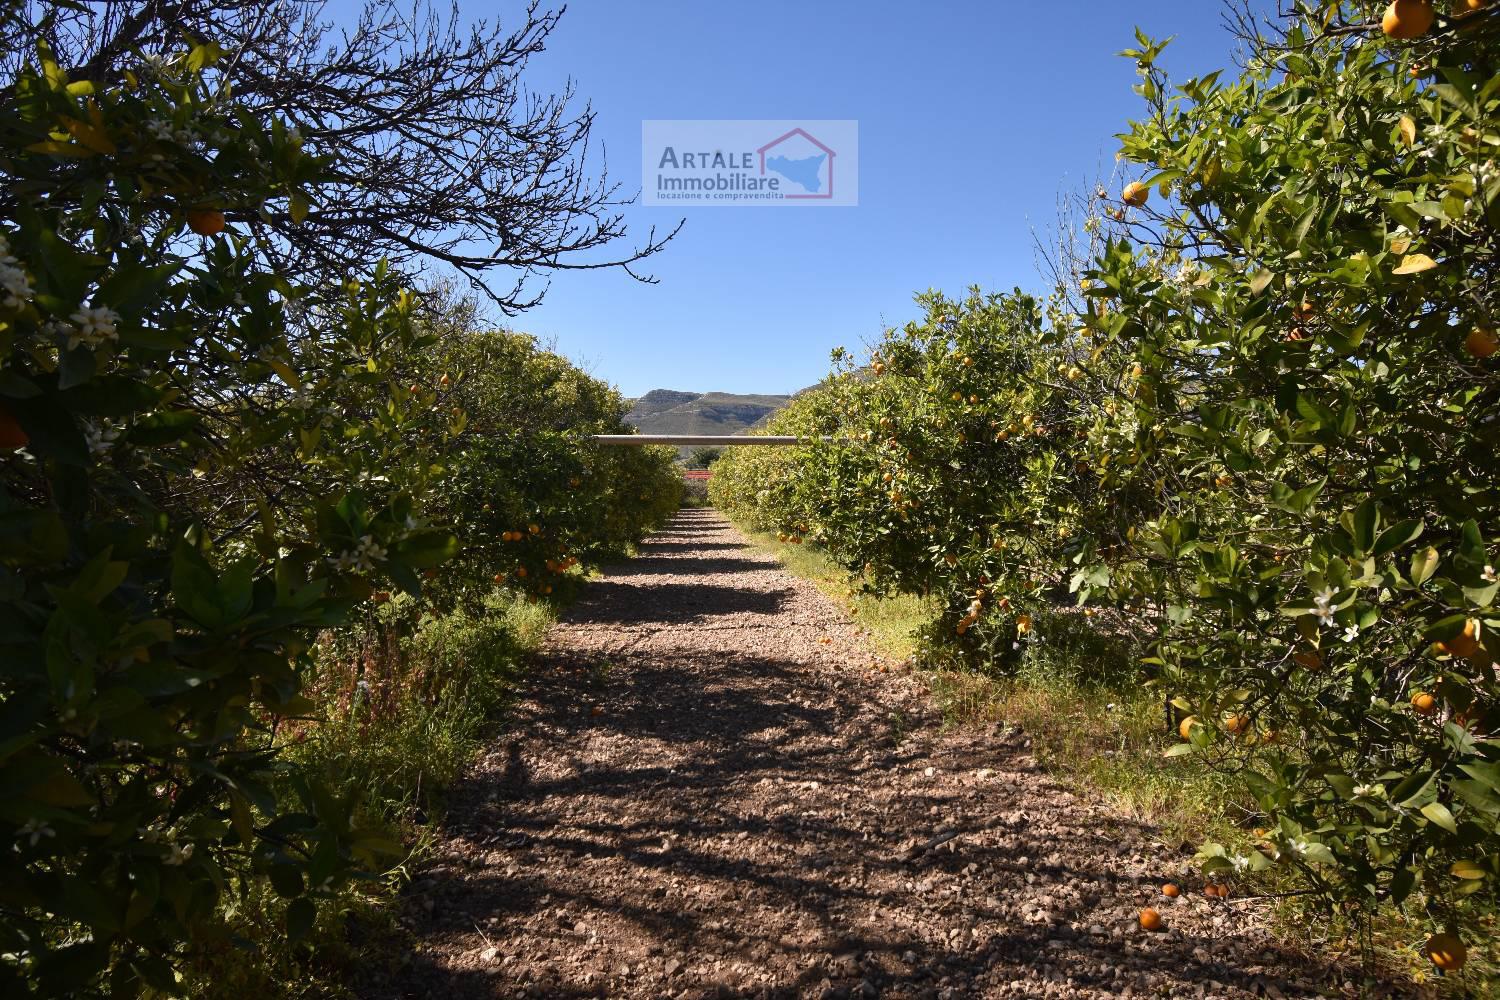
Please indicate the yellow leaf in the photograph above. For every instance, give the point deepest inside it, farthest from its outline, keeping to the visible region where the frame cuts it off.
(1400, 243)
(1467, 870)
(239, 815)
(89, 136)
(55, 148)
(60, 788)
(1408, 131)
(54, 74)
(285, 371)
(1415, 263)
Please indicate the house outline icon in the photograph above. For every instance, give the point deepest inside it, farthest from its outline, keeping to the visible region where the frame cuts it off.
(803, 133)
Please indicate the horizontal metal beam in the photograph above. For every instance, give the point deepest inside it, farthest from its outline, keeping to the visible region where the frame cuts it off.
(723, 440)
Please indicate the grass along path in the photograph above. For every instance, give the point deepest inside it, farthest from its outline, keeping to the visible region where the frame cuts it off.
(713, 789)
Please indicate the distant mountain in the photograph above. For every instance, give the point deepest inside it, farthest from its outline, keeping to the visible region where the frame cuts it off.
(668, 411)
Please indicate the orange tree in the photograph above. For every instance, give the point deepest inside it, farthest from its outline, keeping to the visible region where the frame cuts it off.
(201, 466)
(1312, 312)
(1266, 430)
(159, 594)
(529, 495)
(960, 466)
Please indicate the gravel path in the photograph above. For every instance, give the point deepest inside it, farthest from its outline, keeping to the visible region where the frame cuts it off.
(713, 789)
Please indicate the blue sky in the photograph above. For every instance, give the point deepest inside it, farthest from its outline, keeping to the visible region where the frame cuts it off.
(973, 118)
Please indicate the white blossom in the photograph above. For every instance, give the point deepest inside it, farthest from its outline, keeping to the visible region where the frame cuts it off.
(1374, 790)
(92, 326)
(180, 854)
(34, 830)
(362, 558)
(100, 437)
(1489, 573)
(1323, 606)
(1351, 633)
(14, 281)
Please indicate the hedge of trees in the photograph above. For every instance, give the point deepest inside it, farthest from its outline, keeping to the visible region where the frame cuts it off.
(204, 466)
(1258, 418)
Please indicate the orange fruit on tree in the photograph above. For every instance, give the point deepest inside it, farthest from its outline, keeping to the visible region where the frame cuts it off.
(205, 221)
(380, 597)
(534, 529)
(521, 572)
(499, 577)
(1170, 891)
(1236, 723)
(1150, 919)
(1464, 644)
(1482, 342)
(1185, 727)
(1407, 19)
(12, 436)
(1462, 7)
(1447, 951)
(1424, 703)
(1135, 194)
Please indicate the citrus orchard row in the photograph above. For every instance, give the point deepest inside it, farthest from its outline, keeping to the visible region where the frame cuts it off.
(204, 467)
(1254, 423)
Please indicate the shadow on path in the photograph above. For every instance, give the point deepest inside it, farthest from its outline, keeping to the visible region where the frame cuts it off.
(677, 814)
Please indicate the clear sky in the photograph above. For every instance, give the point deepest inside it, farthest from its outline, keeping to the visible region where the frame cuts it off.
(973, 117)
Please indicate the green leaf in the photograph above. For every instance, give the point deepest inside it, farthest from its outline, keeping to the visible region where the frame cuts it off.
(1319, 853)
(1423, 565)
(1487, 773)
(300, 916)
(1439, 814)
(1399, 534)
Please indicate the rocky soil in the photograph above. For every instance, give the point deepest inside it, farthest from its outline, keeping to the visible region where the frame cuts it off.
(713, 788)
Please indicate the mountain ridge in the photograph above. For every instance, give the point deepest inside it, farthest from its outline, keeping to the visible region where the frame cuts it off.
(674, 411)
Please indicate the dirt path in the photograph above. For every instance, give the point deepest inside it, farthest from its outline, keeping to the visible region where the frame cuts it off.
(709, 792)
